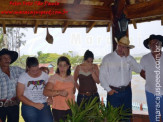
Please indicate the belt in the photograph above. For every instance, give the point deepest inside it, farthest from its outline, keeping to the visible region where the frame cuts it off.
(121, 88)
(9, 102)
(88, 93)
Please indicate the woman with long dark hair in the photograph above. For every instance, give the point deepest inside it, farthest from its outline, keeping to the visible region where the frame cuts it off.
(88, 75)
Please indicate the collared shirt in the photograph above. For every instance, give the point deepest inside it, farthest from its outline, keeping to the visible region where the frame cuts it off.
(117, 71)
(8, 84)
(154, 73)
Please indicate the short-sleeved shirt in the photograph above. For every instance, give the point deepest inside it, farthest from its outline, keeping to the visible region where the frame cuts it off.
(153, 72)
(67, 84)
(8, 84)
(34, 87)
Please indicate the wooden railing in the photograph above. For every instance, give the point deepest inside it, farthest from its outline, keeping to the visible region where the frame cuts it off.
(140, 116)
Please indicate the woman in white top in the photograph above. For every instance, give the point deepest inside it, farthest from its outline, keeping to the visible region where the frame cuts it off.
(30, 92)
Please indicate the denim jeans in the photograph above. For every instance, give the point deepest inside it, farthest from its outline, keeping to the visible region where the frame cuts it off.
(152, 102)
(11, 112)
(121, 98)
(87, 98)
(32, 114)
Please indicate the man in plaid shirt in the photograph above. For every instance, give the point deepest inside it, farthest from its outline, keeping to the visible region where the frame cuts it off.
(9, 105)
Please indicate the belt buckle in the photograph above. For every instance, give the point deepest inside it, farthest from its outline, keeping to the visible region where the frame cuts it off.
(1, 104)
(88, 94)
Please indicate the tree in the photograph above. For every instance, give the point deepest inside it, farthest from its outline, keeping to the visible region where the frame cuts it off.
(21, 61)
(48, 57)
(13, 39)
(1, 38)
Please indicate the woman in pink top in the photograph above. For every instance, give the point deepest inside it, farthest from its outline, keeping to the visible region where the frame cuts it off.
(61, 88)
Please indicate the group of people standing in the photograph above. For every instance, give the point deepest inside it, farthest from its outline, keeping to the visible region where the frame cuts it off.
(36, 90)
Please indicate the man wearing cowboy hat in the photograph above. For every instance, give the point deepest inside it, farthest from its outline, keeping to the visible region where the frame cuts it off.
(9, 105)
(152, 64)
(115, 74)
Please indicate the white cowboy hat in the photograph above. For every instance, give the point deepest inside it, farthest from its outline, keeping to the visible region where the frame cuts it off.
(125, 42)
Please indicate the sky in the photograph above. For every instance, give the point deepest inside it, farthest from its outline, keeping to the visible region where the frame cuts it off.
(78, 41)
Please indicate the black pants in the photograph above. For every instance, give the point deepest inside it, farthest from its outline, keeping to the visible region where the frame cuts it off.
(11, 112)
(61, 114)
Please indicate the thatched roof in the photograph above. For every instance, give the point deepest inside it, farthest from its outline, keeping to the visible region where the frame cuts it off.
(77, 13)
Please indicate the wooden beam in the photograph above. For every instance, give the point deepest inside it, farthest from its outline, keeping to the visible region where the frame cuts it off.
(108, 27)
(65, 25)
(145, 9)
(44, 25)
(134, 24)
(128, 2)
(114, 27)
(83, 12)
(4, 27)
(68, 12)
(162, 20)
(24, 22)
(76, 2)
(107, 3)
(117, 11)
(120, 7)
(90, 26)
(36, 25)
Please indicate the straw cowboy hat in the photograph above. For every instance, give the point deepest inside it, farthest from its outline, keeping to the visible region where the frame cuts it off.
(12, 54)
(125, 42)
(152, 37)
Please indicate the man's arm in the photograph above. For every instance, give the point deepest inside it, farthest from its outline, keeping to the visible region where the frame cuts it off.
(136, 67)
(142, 63)
(131, 61)
(76, 73)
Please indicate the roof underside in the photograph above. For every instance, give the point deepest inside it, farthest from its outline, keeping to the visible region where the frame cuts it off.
(79, 13)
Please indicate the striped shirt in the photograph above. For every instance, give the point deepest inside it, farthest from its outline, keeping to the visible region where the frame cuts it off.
(8, 84)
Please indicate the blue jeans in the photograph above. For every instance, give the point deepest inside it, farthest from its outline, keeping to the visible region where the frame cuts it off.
(121, 98)
(32, 114)
(153, 108)
(87, 98)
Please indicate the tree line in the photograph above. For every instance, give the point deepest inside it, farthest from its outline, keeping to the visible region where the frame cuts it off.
(49, 58)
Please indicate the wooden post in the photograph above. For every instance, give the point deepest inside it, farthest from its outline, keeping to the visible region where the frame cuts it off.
(117, 10)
